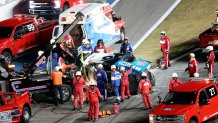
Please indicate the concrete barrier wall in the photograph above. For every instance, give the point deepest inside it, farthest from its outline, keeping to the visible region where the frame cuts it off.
(6, 8)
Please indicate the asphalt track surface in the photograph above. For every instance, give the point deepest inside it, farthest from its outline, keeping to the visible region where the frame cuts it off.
(139, 15)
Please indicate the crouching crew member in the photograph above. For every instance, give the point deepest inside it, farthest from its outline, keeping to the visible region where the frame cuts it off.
(78, 83)
(144, 89)
(92, 96)
(125, 83)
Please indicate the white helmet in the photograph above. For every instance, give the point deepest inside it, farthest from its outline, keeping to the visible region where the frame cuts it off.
(122, 68)
(209, 48)
(174, 75)
(78, 73)
(196, 75)
(192, 55)
(52, 41)
(126, 38)
(113, 67)
(162, 33)
(57, 68)
(40, 53)
(91, 83)
(100, 66)
(144, 74)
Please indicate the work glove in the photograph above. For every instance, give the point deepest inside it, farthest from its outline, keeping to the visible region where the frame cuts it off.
(167, 51)
(186, 69)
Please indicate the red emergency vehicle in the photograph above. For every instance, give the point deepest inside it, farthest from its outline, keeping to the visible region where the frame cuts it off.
(24, 32)
(15, 107)
(194, 101)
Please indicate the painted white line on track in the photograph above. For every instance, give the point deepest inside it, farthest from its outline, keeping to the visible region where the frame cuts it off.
(156, 24)
(114, 3)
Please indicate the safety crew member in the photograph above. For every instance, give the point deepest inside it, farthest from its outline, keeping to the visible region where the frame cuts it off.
(165, 48)
(174, 82)
(125, 82)
(144, 89)
(86, 47)
(92, 96)
(102, 81)
(210, 61)
(68, 42)
(115, 81)
(126, 47)
(100, 48)
(78, 83)
(192, 66)
(56, 76)
(64, 67)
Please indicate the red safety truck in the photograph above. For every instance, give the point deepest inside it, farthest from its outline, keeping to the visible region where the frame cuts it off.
(15, 107)
(24, 32)
(194, 101)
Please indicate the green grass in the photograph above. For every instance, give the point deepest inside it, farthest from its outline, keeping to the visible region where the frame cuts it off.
(183, 25)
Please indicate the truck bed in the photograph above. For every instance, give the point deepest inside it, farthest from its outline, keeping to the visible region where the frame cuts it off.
(208, 37)
(48, 23)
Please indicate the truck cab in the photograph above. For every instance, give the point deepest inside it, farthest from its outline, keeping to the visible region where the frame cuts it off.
(194, 101)
(97, 23)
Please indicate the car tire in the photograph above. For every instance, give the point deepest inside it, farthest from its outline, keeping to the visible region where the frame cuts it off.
(8, 56)
(133, 84)
(151, 78)
(25, 115)
(66, 6)
(193, 121)
(122, 34)
(67, 92)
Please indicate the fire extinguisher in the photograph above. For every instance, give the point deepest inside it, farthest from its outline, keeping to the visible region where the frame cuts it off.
(116, 109)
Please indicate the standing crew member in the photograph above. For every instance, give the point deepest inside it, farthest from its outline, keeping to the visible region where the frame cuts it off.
(126, 47)
(125, 83)
(174, 82)
(115, 81)
(144, 89)
(102, 81)
(92, 95)
(56, 76)
(78, 83)
(86, 47)
(210, 61)
(100, 48)
(192, 66)
(165, 48)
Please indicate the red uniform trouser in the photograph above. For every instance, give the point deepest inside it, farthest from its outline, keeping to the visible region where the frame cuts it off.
(78, 91)
(166, 59)
(125, 87)
(210, 70)
(93, 107)
(146, 100)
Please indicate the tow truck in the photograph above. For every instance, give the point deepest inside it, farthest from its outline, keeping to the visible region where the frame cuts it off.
(15, 107)
(194, 101)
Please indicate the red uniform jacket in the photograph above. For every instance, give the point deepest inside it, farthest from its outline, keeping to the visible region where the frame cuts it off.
(210, 57)
(92, 94)
(174, 83)
(193, 66)
(78, 81)
(100, 49)
(144, 86)
(124, 76)
(165, 43)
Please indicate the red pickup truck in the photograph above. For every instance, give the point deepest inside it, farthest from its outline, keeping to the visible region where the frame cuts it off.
(15, 107)
(23, 32)
(192, 102)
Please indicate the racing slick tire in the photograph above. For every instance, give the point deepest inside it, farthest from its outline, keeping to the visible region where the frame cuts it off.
(193, 121)
(25, 115)
(66, 6)
(122, 34)
(8, 56)
(67, 92)
(133, 84)
(151, 78)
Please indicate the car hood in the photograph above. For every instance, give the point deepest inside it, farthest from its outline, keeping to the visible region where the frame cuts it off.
(163, 109)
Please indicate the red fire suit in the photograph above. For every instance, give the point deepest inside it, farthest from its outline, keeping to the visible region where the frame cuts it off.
(165, 48)
(174, 83)
(92, 95)
(125, 83)
(144, 89)
(192, 67)
(78, 83)
(210, 62)
(100, 49)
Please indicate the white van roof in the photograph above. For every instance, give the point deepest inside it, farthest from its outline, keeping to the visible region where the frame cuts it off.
(86, 9)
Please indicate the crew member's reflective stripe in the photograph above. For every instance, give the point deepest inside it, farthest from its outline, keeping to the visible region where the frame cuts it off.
(115, 77)
(162, 42)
